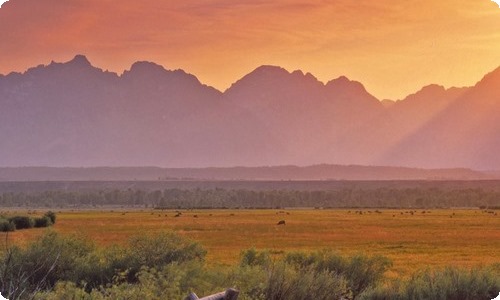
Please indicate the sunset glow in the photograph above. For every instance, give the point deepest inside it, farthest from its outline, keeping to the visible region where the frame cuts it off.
(393, 47)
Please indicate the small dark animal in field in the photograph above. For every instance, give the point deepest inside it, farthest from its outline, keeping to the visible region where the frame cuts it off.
(231, 215)
(195, 216)
(287, 213)
(177, 215)
(281, 222)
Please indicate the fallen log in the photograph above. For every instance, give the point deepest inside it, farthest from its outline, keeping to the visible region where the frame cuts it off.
(229, 294)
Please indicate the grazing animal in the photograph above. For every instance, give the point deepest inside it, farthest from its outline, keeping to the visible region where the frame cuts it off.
(281, 222)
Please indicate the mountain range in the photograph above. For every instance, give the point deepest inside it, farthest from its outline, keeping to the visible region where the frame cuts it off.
(75, 114)
(214, 174)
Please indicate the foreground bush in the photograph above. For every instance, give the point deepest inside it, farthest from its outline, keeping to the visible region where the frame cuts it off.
(52, 259)
(167, 282)
(360, 271)
(168, 266)
(449, 283)
(289, 282)
(40, 265)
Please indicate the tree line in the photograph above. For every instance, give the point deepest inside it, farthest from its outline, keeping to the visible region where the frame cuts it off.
(242, 198)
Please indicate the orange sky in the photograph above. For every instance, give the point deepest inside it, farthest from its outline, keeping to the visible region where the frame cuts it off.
(393, 47)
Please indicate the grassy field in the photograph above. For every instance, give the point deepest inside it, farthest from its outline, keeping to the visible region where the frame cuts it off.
(411, 241)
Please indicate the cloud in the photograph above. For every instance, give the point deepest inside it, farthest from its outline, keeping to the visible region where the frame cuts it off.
(2, 2)
(497, 2)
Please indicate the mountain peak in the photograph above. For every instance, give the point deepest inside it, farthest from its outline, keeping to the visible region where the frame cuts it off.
(146, 67)
(340, 79)
(344, 83)
(269, 70)
(80, 60)
(431, 90)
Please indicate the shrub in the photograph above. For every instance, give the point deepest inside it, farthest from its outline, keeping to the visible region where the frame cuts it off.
(22, 222)
(39, 266)
(288, 282)
(6, 225)
(291, 278)
(99, 267)
(168, 282)
(155, 252)
(164, 248)
(360, 271)
(43, 222)
(51, 215)
(252, 257)
(453, 283)
(449, 283)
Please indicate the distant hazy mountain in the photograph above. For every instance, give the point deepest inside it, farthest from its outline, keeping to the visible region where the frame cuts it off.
(275, 173)
(463, 129)
(74, 114)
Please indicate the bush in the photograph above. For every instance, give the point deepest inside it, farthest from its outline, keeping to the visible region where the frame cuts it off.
(360, 271)
(169, 282)
(288, 282)
(453, 283)
(44, 262)
(252, 257)
(51, 215)
(22, 222)
(43, 222)
(6, 225)
(160, 250)
(258, 277)
(449, 283)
